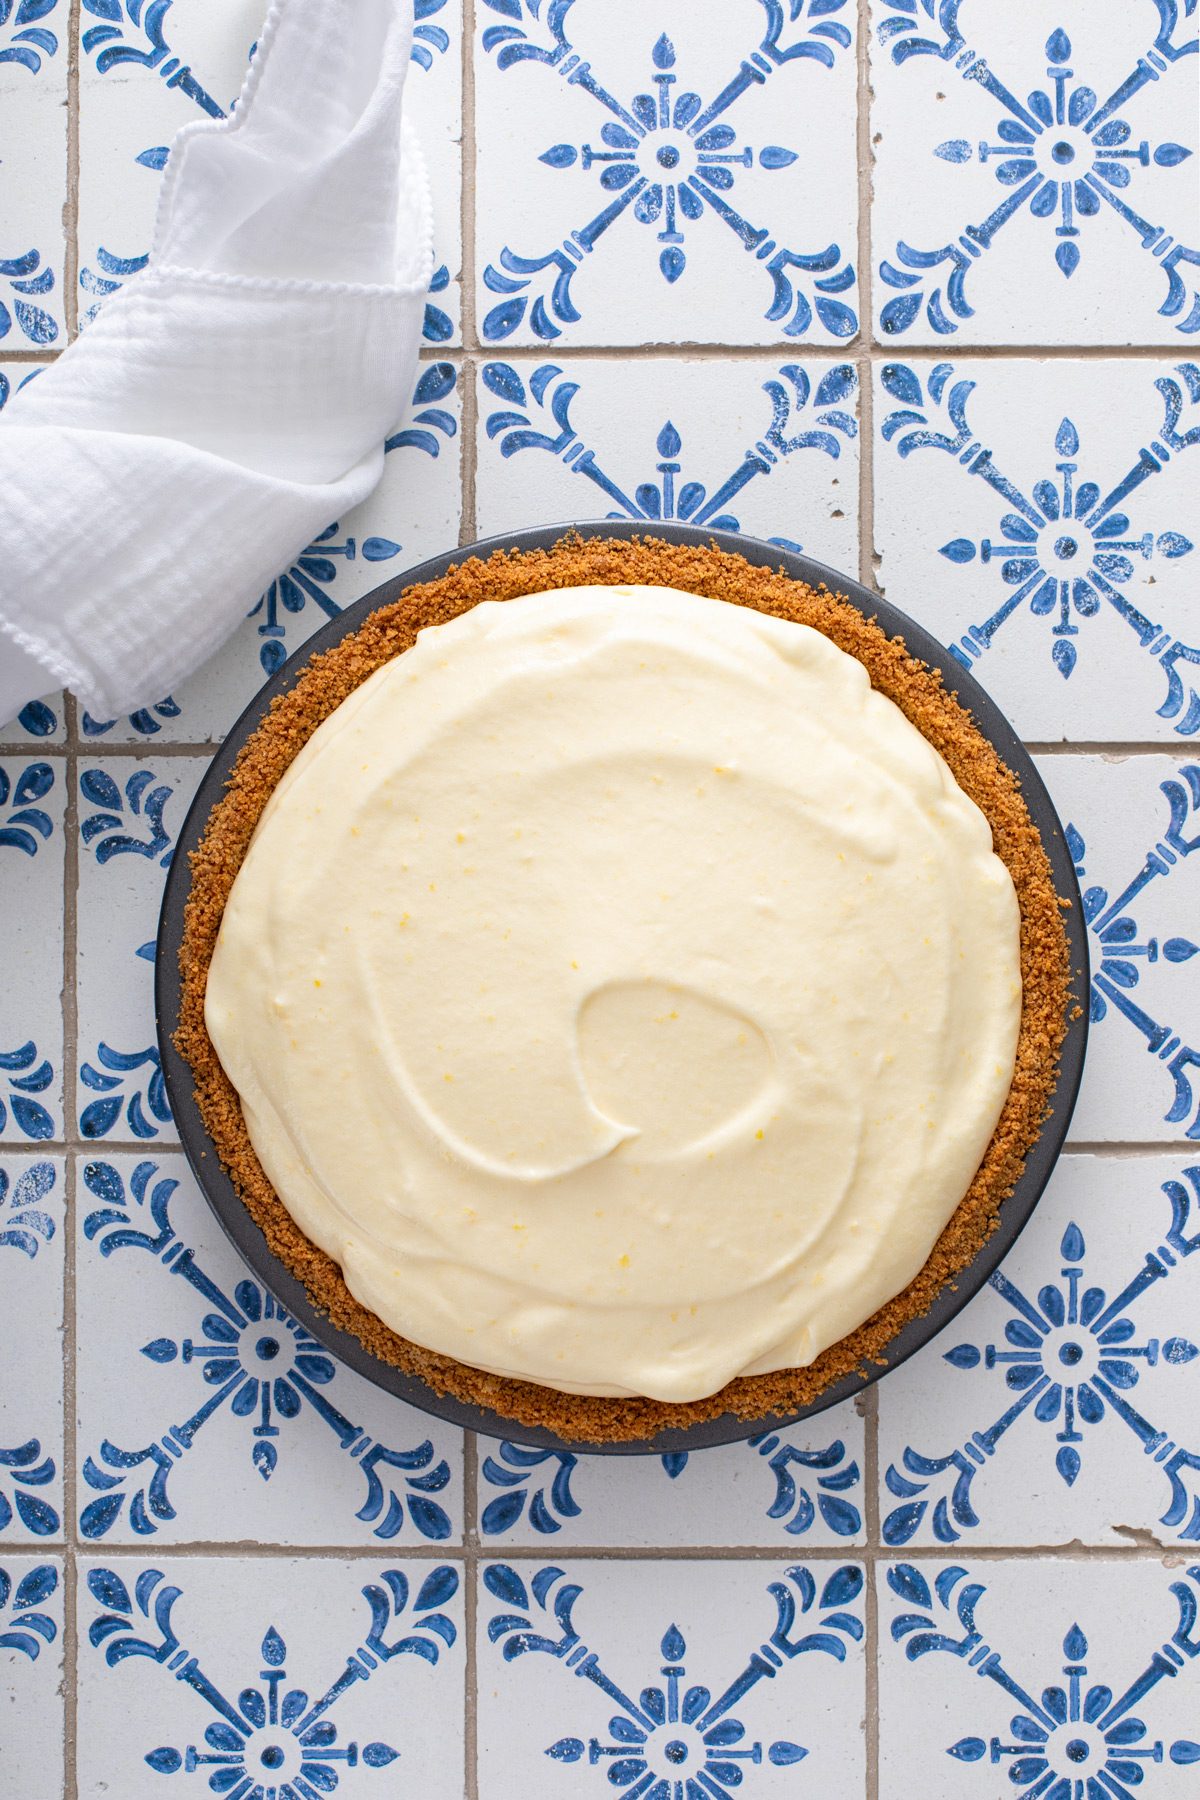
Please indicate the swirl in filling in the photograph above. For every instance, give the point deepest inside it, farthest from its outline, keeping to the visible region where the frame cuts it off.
(621, 991)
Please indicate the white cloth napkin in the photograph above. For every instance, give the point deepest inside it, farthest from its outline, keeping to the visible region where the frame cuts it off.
(233, 398)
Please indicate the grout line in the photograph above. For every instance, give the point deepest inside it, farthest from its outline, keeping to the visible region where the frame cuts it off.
(70, 1016)
(859, 346)
(71, 203)
(467, 531)
(866, 394)
(473, 1557)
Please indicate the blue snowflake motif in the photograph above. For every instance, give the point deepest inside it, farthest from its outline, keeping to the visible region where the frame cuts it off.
(273, 1743)
(666, 498)
(1062, 152)
(1064, 548)
(27, 40)
(1115, 932)
(669, 159)
(1076, 1742)
(26, 823)
(23, 1222)
(1071, 1360)
(314, 570)
(257, 1359)
(33, 1590)
(674, 1742)
(550, 1502)
(25, 276)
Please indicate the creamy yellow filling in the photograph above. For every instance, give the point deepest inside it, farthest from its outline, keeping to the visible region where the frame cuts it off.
(621, 990)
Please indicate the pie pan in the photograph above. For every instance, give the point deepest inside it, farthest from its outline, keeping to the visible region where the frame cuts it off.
(291, 1293)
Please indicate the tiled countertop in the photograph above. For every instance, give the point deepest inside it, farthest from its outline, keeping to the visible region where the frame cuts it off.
(911, 286)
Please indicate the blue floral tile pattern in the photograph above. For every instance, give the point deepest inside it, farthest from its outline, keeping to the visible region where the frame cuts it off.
(31, 1660)
(748, 1669)
(767, 448)
(778, 1488)
(33, 173)
(32, 1206)
(129, 814)
(253, 1677)
(1031, 181)
(1132, 826)
(1115, 1645)
(1057, 514)
(1061, 1405)
(32, 807)
(207, 1413)
(650, 180)
(413, 513)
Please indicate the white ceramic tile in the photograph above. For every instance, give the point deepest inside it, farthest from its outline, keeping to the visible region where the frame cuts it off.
(32, 804)
(1031, 177)
(145, 75)
(43, 720)
(1133, 825)
(1019, 1424)
(1066, 1678)
(31, 1348)
(414, 513)
(1040, 518)
(33, 173)
(688, 1676)
(665, 174)
(270, 1677)
(31, 1659)
(241, 1427)
(766, 448)
(778, 1488)
(130, 812)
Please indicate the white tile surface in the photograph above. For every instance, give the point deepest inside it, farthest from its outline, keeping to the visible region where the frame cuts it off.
(32, 1247)
(1047, 1434)
(1046, 1688)
(130, 812)
(986, 566)
(1137, 825)
(256, 1434)
(260, 1645)
(33, 174)
(31, 886)
(413, 513)
(689, 1669)
(646, 259)
(718, 443)
(966, 127)
(31, 1660)
(802, 1487)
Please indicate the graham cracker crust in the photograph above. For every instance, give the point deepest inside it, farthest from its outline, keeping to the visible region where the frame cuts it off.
(918, 692)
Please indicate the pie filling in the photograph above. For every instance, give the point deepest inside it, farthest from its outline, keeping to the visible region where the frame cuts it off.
(621, 991)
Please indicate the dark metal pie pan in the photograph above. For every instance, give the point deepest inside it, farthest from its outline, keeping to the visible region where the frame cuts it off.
(279, 1280)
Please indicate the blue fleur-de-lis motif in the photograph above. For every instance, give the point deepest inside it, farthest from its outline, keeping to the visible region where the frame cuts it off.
(133, 33)
(671, 158)
(1066, 547)
(1069, 1358)
(26, 1629)
(24, 1223)
(27, 1075)
(99, 1116)
(256, 1358)
(26, 276)
(109, 829)
(26, 39)
(26, 822)
(666, 497)
(1076, 1739)
(1062, 152)
(116, 270)
(314, 571)
(1114, 931)
(673, 1738)
(550, 1504)
(22, 1468)
(832, 1474)
(273, 1738)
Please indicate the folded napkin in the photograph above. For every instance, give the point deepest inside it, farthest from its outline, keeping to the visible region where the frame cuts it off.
(232, 399)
